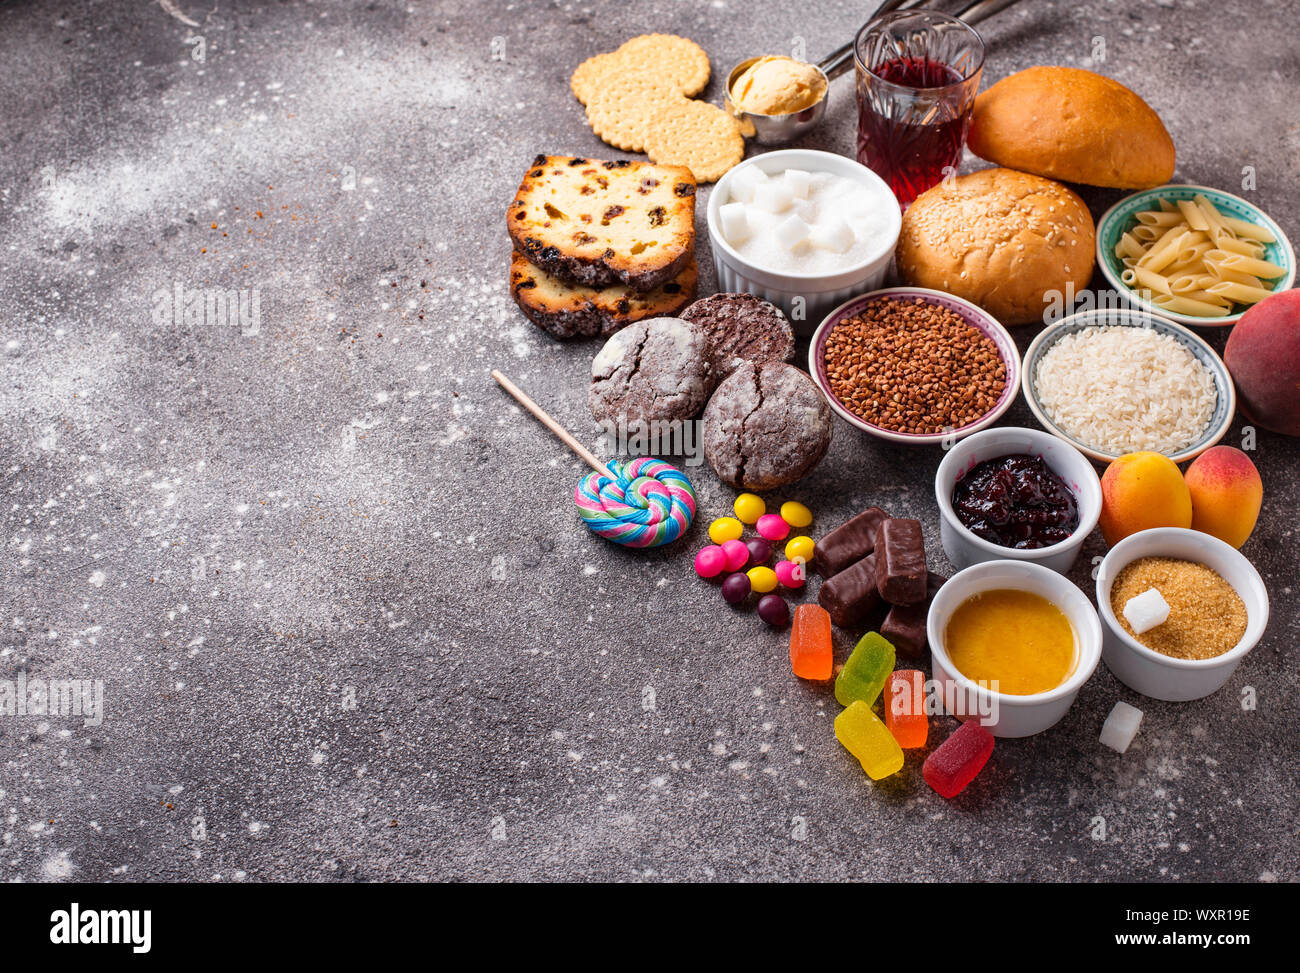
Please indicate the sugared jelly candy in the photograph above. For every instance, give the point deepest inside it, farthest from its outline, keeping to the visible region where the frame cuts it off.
(735, 588)
(811, 652)
(866, 670)
(796, 514)
(725, 529)
(959, 758)
(710, 561)
(773, 527)
(905, 708)
(737, 554)
(790, 574)
(762, 579)
(749, 507)
(773, 610)
(864, 736)
(799, 549)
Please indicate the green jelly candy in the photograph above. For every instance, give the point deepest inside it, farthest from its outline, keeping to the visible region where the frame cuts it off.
(865, 673)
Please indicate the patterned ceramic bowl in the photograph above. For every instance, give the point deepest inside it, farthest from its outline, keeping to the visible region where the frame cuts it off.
(977, 318)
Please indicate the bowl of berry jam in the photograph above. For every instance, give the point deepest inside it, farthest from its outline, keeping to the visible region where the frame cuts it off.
(1017, 494)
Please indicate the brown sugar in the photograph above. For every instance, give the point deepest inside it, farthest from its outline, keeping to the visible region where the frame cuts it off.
(1206, 615)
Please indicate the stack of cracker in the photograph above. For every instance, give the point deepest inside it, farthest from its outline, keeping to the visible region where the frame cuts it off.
(639, 98)
(599, 245)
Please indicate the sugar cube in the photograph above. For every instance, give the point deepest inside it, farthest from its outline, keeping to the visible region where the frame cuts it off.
(1146, 611)
(806, 209)
(790, 232)
(798, 180)
(832, 234)
(745, 181)
(773, 196)
(1121, 727)
(734, 222)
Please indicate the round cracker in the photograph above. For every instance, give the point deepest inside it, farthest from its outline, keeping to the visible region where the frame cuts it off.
(697, 135)
(622, 107)
(587, 75)
(678, 60)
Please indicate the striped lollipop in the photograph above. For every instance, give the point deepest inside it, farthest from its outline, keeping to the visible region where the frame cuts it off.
(641, 503)
(644, 503)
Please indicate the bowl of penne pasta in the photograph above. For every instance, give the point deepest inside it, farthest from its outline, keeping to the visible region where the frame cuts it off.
(1193, 254)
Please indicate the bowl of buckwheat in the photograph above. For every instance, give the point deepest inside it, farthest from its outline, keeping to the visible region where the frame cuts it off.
(915, 366)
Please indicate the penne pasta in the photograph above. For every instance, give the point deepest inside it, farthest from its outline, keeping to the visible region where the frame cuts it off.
(1193, 215)
(1240, 293)
(1246, 265)
(1246, 230)
(1184, 305)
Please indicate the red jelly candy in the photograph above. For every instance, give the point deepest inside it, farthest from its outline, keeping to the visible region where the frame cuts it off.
(958, 759)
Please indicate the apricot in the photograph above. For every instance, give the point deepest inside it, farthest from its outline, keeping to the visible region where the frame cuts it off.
(1140, 491)
(1263, 355)
(1226, 493)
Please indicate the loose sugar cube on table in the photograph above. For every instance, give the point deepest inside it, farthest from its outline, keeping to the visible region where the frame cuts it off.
(832, 234)
(734, 221)
(864, 736)
(865, 671)
(745, 181)
(798, 180)
(958, 759)
(773, 196)
(1147, 610)
(1121, 726)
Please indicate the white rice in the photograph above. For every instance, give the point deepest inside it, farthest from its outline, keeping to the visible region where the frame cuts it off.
(1122, 389)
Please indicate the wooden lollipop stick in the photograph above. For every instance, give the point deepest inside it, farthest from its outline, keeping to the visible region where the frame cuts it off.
(561, 433)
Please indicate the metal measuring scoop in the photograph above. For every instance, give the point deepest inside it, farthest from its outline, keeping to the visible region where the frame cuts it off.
(782, 129)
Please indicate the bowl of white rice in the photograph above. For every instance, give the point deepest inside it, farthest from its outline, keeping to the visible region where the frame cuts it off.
(1119, 380)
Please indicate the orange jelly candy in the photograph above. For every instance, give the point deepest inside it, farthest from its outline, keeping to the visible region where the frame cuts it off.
(810, 643)
(905, 708)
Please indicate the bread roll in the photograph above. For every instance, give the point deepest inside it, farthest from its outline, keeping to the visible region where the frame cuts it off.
(1000, 239)
(1071, 124)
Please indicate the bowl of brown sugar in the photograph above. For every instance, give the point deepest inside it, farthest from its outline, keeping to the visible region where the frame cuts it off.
(1179, 609)
(915, 366)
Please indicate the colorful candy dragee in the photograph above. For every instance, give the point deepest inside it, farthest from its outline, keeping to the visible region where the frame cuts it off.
(641, 503)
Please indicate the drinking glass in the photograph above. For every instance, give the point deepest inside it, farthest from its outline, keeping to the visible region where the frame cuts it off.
(917, 75)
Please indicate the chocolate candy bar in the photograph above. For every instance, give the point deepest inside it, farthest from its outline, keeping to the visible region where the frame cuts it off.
(850, 597)
(900, 561)
(850, 542)
(905, 624)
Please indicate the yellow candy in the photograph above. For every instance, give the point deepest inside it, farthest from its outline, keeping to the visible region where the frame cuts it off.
(749, 507)
(799, 549)
(761, 579)
(796, 514)
(725, 529)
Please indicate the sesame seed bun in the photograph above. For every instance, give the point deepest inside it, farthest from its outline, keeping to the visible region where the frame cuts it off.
(998, 238)
(1071, 124)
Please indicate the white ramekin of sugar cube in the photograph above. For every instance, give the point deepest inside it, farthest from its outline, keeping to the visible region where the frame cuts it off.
(803, 229)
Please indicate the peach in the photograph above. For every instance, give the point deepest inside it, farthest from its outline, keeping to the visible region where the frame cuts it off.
(1140, 491)
(1263, 355)
(1226, 493)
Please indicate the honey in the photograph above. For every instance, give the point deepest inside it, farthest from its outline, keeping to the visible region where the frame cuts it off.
(1016, 639)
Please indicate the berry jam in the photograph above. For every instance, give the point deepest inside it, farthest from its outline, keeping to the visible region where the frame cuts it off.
(1016, 501)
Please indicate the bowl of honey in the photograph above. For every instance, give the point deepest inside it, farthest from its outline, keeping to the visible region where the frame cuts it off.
(1012, 642)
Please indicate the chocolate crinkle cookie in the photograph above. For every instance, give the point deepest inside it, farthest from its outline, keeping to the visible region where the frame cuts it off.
(656, 369)
(765, 426)
(741, 328)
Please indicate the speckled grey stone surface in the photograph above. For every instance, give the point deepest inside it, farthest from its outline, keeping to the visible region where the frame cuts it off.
(241, 530)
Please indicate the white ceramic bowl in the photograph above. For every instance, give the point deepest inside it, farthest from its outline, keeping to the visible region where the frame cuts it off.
(1161, 676)
(965, 548)
(805, 298)
(1012, 716)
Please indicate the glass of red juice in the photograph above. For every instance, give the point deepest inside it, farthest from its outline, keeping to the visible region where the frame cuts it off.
(917, 75)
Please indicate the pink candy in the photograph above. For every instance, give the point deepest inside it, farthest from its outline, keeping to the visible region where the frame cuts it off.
(773, 527)
(790, 574)
(710, 561)
(737, 555)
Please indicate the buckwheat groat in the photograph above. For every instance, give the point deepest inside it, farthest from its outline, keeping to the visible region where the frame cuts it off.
(741, 328)
(765, 426)
(656, 369)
